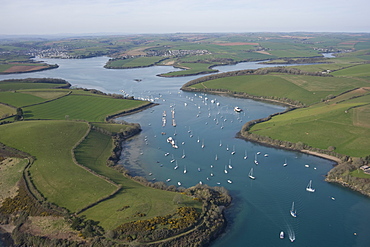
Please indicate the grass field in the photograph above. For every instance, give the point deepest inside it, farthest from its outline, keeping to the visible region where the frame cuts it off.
(93, 153)
(134, 62)
(6, 110)
(54, 173)
(10, 172)
(322, 125)
(191, 69)
(91, 108)
(306, 89)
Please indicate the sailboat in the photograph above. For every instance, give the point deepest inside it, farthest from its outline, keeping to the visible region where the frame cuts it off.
(286, 163)
(216, 158)
(173, 159)
(183, 154)
(225, 169)
(177, 166)
(293, 212)
(233, 152)
(230, 164)
(250, 175)
(220, 143)
(203, 144)
(185, 169)
(309, 187)
(255, 159)
(245, 155)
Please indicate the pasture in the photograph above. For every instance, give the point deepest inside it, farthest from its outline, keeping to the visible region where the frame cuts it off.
(323, 125)
(93, 108)
(93, 153)
(54, 174)
(134, 62)
(306, 89)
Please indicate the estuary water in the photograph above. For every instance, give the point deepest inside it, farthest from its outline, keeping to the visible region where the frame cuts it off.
(209, 153)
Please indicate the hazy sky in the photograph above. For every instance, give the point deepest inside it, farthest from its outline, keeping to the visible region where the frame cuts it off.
(170, 16)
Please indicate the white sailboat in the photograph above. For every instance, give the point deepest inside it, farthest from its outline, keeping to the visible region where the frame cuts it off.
(220, 143)
(176, 166)
(216, 158)
(185, 169)
(293, 212)
(233, 152)
(309, 187)
(225, 169)
(255, 159)
(183, 154)
(245, 155)
(173, 159)
(203, 143)
(230, 166)
(285, 163)
(250, 175)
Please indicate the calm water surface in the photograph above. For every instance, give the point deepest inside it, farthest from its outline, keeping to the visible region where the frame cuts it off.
(328, 217)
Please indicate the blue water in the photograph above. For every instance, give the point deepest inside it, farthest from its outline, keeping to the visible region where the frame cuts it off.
(260, 208)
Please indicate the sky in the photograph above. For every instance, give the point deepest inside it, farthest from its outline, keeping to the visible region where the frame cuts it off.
(49, 17)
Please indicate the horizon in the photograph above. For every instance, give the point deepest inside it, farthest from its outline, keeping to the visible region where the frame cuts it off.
(131, 17)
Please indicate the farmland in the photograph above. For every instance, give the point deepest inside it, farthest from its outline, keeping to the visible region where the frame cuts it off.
(70, 165)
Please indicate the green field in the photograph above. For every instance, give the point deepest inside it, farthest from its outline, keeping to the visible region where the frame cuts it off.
(323, 125)
(91, 108)
(306, 89)
(6, 110)
(54, 174)
(134, 62)
(93, 153)
(191, 69)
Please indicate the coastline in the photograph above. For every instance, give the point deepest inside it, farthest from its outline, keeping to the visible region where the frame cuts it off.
(321, 155)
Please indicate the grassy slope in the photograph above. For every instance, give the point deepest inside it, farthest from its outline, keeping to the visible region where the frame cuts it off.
(321, 126)
(54, 173)
(10, 173)
(307, 89)
(91, 108)
(93, 153)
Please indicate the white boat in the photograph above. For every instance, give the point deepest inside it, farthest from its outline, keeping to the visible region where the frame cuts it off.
(245, 155)
(233, 152)
(229, 181)
(225, 169)
(286, 163)
(255, 160)
(179, 183)
(185, 169)
(281, 235)
(173, 159)
(199, 169)
(230, 166)
(216, 158)
(293, 212)
(177, 166)
(167, 180)
(237, 109)
(203, 144)
(309, 187)
(183, 154)
(220, 143)
(250, 174)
